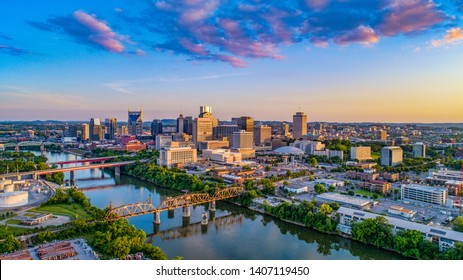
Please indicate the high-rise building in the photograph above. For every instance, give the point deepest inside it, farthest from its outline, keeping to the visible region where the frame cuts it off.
(206, 112)
(96, 129)
(243, 143)
(188, 125)
(156, 127)
(262, 135)
(246, 123)
(419, 150)
(111, 126)
(381, 135)
(85, 132)
(71, 131)
(181, 124)
(285, 129)
(225, 130)
(202, 130)
(360, 153)
(135, 122)
(123, 130)
(299, 125)
(391, 156)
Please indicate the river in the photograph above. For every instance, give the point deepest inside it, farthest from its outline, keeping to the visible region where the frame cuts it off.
(234, 233)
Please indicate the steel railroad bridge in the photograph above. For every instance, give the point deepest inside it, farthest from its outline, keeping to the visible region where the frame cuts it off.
(185, 201)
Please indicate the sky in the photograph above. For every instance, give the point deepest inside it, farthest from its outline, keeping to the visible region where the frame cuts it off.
(335, 60)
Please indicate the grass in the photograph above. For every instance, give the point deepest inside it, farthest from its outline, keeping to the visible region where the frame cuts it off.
(367, 193)
(13, 222)
(375, 155)
(4, 230)
(72, 210)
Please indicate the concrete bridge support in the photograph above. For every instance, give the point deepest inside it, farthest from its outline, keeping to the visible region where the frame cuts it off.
(157, 218)
(212, 206)
(102, 172)
(186, 211)
(117, 171)
(71, 178)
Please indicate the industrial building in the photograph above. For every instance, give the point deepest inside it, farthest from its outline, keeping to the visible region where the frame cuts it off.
(344, 200)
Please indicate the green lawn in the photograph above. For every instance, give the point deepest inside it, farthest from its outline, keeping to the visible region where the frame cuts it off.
(12, 230)
(367, 193)
(375, 155)
(13, 222)
(72, 210)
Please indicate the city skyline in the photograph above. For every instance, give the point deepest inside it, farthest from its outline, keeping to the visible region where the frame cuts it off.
(337, 61)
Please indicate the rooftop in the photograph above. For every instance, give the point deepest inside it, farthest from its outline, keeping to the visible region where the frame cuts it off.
(288, 150)
(344, 198)
(425, 188)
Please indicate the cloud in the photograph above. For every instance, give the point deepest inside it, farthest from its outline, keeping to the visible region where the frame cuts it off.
(235, 32)
(453, 36)
(12, 50)
(410, 16)
(86, 29)
(363, 34)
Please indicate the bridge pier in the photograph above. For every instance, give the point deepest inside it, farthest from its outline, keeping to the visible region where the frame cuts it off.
(102, 172)
(186, 221)
(18, 177)
(204, 219)
(170, 214)
(186, 211)
(212, 206)
(71, 178)
(117, 171)
(157, 218)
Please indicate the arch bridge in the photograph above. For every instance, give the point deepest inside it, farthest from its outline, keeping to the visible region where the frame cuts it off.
(185, 201)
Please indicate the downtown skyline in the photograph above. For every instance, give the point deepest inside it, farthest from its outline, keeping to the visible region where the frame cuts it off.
(343, 61)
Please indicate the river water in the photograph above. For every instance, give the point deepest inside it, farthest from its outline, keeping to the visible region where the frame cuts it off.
(232, 233)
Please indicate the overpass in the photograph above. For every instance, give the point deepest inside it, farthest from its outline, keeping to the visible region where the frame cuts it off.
(84, 160)
(183, 201)
(35, 174)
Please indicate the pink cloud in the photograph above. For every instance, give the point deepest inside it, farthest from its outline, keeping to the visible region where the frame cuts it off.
(362, 34)
(317, 4)
(101, 33)
(409, 16)
(234, 61)
(453, 36)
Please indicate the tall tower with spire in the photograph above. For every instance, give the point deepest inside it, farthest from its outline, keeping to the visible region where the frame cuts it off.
(135, 122)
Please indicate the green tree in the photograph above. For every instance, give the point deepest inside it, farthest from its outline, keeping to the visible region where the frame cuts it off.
(319, 188)
(373, 231)
(455, 252)
(9, 244)
(325, 209)
(407, 243)
(458, 223)
(268, 168)
(313, 162)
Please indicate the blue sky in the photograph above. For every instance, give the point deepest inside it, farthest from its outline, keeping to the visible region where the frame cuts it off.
(337, 60)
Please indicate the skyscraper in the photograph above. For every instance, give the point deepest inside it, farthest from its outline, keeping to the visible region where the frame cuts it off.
(188, 125)
(262, 135)
(202, 130)
(381, 135)
(243, 143)
(135, 122)
(156, 127)
(299, 125)
(181, 124)
(96, 129)
(391, 156)
(246, 123)
(85, 132)
(206, 112)
(419, 150)
(111, 126)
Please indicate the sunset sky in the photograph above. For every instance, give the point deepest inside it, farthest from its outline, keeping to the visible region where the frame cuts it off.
(336, 60)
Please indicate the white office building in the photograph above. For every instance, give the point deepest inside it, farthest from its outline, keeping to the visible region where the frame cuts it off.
(426, 194)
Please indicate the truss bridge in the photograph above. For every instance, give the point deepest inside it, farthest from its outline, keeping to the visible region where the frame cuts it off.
(183, 201)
